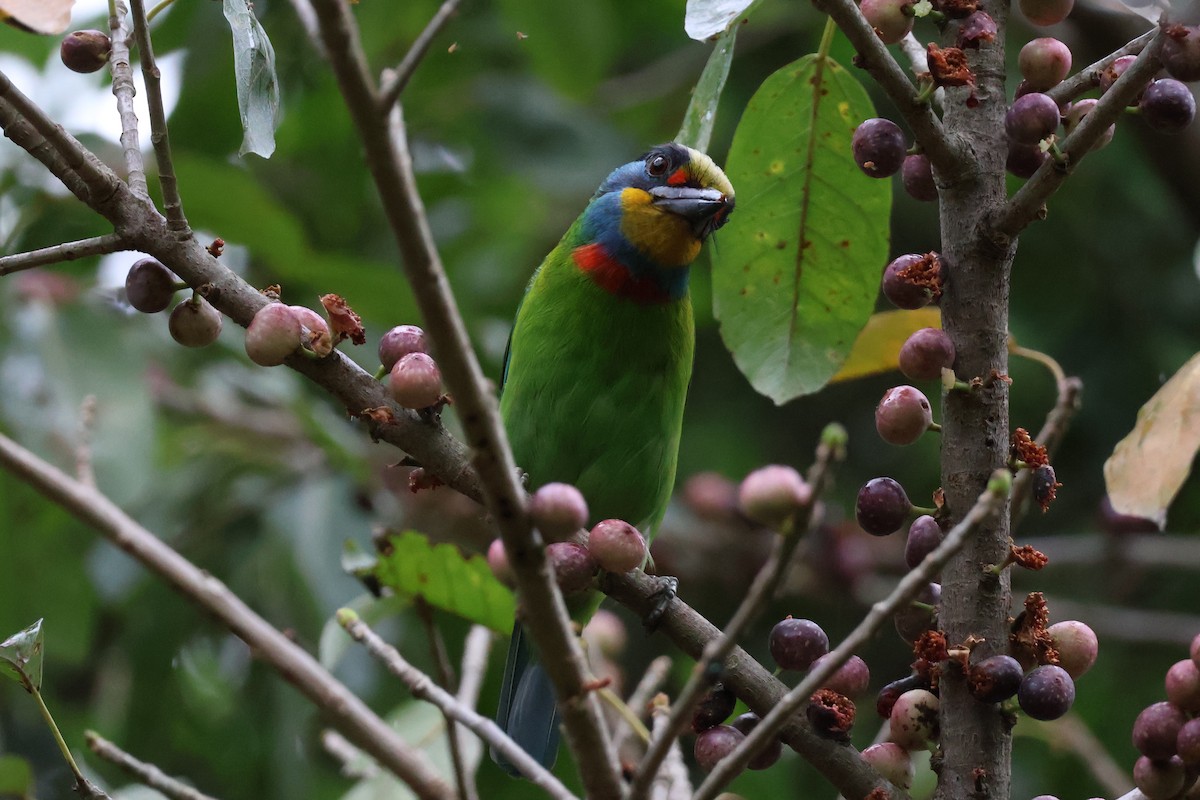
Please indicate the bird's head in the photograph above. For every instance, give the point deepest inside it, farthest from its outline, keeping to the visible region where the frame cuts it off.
(662, 206)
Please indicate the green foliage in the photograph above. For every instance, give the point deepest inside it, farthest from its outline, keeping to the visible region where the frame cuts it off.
(16, 778)
(464, 585)
(21, 657)
(795, 279)
(257, 85)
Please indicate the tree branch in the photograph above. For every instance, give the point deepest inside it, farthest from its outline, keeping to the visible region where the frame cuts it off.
(142, 772)
(120, 66)
(172, 203)
(926, 128)
(1028, 202)
(391, 168)
(990, 503)
(68, 251)
(1089, 77)
(345, 710)
(394, 84)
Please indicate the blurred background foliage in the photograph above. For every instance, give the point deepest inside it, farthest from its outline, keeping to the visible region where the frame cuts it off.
(519, 110)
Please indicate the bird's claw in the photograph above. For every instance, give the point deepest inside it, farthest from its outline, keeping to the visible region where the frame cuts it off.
(667, 590)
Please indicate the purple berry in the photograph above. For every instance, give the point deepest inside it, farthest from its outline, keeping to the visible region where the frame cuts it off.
(1046, 12)
(314, 331)
(194, 323)
(1024, 160)
(85, 51)
(574, 567)
(714, 708)
(1076, 645)
(914, 719)
(1187, 743)
(617, 546)
(882, 506)
(714, 744)
(1156, 729)
(1115, 70)
(797, 643)
(1180, 53)
(917, 174)
(497, 558)
(769, 754)
(772, 494)
(924, 535)
(903, 415)
(1167, 105)
(977, 28)
(1031, 118)
(913, 280)
(892, 762)
(149, 286)
(994, 678)
(273, 335)
(399, 342)
(1080, 109)
(558, 510)
(416, 381)
(920, 615)
(1159, 780)
(888, 18)
(926, 353)
(1183, 686)
(879, 147)
(1044, 63)
(1046, 692)
(851, 678)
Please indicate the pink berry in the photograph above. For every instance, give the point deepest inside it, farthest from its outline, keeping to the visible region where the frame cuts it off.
(1076, 644)
(1160, 779)
(1080, 109)
(924, 354)
(273, 335)
(892, 761)
(1046, 12)
(1183, 686)
(574, 566)
(617, 546)
(914, 719)
(558, 510)
(1044, 63)
(1031, 118)
(314, 331)
(903, 415)
(851, 678)
(888, 18)
(772, 494)
(416, 381)
(1156, 729)
(497, 558)
(399, 342)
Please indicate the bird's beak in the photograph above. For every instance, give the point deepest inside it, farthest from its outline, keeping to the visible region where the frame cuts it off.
(704, 209)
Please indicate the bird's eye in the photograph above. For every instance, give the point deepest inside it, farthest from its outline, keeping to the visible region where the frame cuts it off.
(657, 166)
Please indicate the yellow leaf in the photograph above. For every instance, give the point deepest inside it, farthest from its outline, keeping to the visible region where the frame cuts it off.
(1148, 466)
(877, 347)
(37, 16)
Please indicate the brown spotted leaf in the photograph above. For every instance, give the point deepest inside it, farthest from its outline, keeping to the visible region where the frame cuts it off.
(796, 272)
(1149, 466)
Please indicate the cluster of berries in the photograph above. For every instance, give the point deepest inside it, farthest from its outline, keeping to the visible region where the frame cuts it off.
(150, 287)
(1167, 734)
(558, 511)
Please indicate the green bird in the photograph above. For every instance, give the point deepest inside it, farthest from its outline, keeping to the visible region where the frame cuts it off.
(597, 369)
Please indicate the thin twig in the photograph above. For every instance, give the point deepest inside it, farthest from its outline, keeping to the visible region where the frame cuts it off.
(1028, 202)
(159, 137)
(390, 165)
(1089, 77)
(84, 472)
(639, 699)
(344, 709)
(354, 764)
(67, 251)
(441, 659)
(878, 61)
(1050, 436)
(671, 782)
(424, 688)
(761, 590)
(142, 772)
(394, 84)
(476, 648)
(121, 67)
(988, 504)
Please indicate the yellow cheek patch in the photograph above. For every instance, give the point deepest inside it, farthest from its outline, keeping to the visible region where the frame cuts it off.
(664, 237)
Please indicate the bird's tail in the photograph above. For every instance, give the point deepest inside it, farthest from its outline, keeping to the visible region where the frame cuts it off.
(527, 713)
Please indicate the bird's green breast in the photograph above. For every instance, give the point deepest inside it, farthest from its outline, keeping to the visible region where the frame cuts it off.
(594, 391)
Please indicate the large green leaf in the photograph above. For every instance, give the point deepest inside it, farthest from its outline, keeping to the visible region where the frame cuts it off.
(446, 579)
(796, 273)
(21, 657)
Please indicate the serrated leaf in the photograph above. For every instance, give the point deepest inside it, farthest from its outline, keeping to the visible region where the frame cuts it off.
(257, 84)
(1148, 467)
(705, 18)
(21, 657)
(796, 274)
(701, 114)
(877, 348)
(37, 16)
(446, 579)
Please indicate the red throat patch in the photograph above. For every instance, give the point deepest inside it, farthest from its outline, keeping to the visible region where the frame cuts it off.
(615, 278)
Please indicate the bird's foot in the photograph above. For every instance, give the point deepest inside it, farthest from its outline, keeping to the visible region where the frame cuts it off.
(667, 590)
